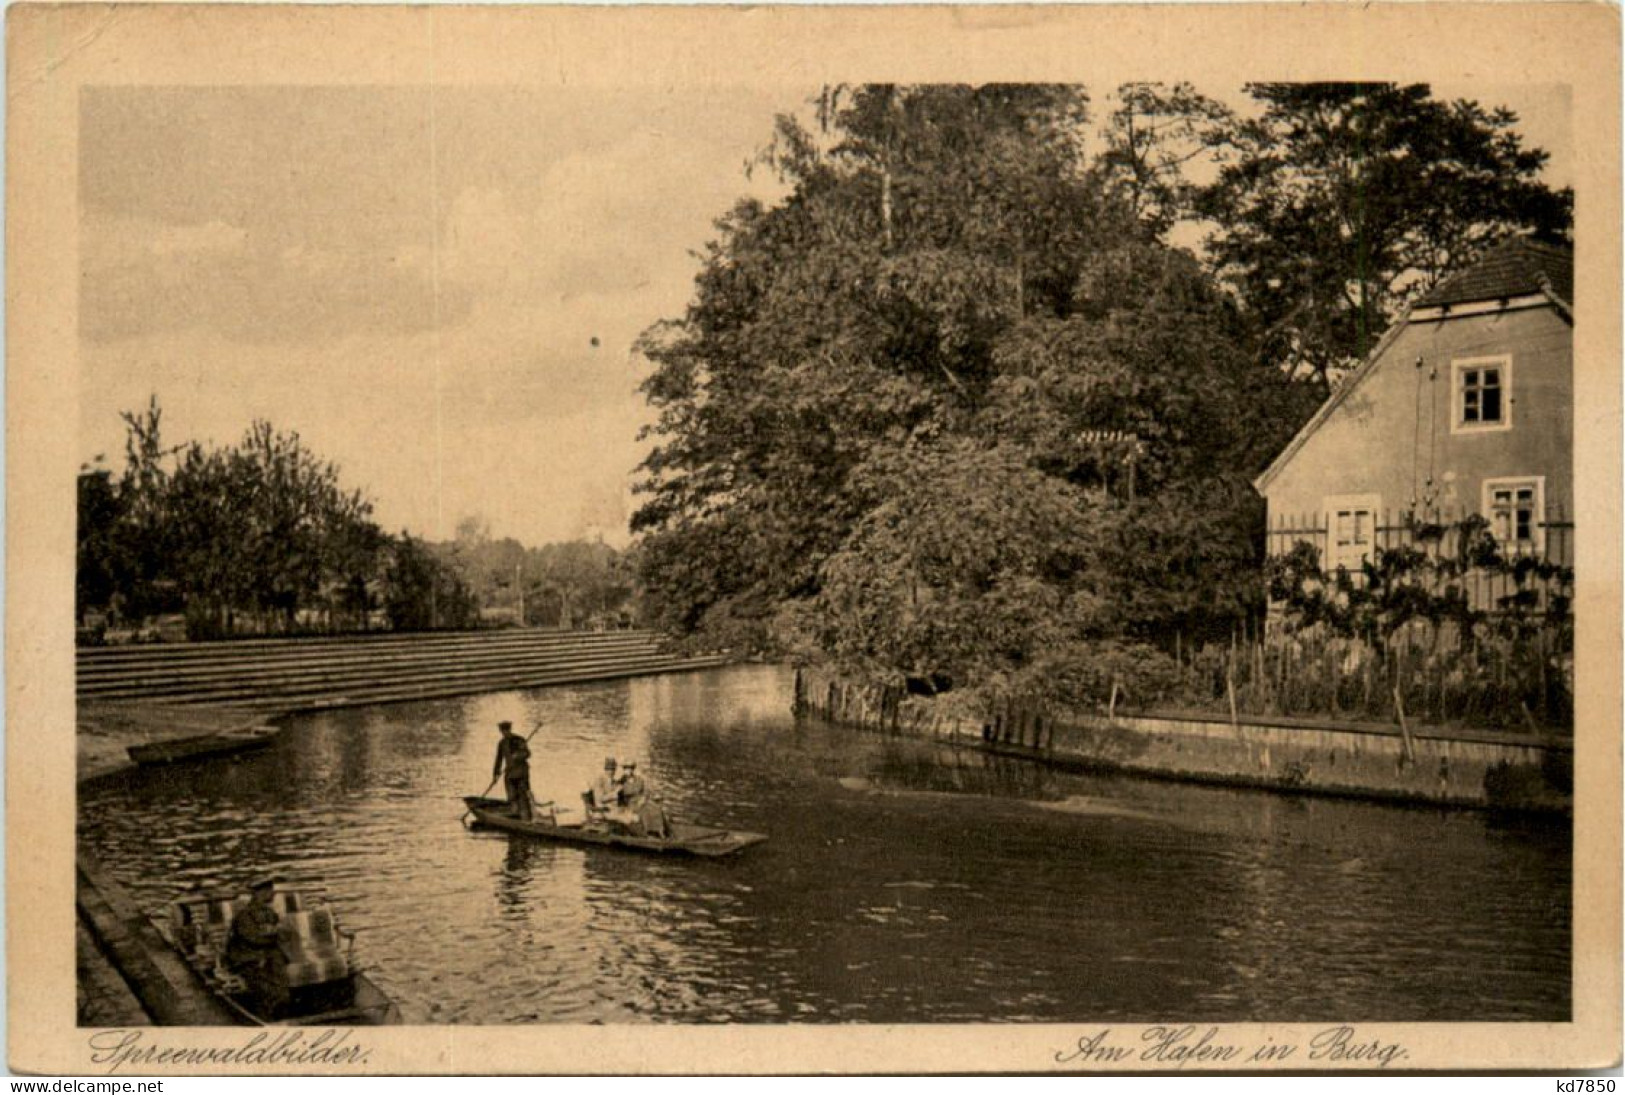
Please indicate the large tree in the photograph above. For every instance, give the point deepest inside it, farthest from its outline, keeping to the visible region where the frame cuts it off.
(1341, 202)
(1155, 135)
(98, 564)
(950, 323)
(985, 567)
(422, 590)
(1147, 390)
(858, 315)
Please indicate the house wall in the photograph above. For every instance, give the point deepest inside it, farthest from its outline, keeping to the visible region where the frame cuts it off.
(1396, 423)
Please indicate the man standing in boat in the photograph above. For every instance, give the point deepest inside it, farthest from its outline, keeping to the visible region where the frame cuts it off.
(252, 951)
(513, 762)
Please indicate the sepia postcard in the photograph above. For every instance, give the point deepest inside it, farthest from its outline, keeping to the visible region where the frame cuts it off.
(784, 540)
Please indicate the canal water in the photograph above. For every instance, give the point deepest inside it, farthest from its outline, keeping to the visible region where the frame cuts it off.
(903, 881)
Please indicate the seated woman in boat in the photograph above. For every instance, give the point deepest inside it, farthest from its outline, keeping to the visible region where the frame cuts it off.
(638, 811)
(631, 788)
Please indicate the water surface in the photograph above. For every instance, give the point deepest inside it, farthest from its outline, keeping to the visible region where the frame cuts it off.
(903, 881)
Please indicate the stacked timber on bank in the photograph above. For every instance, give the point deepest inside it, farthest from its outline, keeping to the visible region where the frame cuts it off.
(286, 675)
(1430, 765)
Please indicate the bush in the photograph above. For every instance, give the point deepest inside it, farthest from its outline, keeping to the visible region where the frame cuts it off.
(1080, 675)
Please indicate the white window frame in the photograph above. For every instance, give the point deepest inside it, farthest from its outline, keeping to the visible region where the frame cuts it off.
(1337, 504)
(1536, 543)
(1460, 366)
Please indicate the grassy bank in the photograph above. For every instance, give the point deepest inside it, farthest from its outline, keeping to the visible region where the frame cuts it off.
(106, 730)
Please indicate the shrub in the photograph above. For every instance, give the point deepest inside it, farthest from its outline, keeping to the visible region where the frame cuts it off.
(1080, 675)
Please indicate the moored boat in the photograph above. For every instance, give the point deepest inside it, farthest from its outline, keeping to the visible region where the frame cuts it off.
(700, 840)
(324, 985)
(225, 742)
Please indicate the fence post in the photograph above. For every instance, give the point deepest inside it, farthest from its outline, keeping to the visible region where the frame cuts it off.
(1545, 683)
(1404, 728)
(1529, 717)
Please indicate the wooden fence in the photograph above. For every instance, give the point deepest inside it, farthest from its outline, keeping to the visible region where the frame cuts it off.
(1343, 539)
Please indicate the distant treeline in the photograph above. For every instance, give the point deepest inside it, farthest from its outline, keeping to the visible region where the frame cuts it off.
(262, 538)
(573, 584)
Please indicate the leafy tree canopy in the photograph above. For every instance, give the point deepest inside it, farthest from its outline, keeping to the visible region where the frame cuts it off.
(258, 537)
(912, 407)
(1333, 205)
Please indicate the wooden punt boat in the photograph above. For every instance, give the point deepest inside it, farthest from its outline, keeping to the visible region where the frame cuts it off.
(203, 745)
(701, 840)
(324, 985)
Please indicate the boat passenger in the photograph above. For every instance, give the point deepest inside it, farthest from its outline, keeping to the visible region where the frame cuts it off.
(631, 789)
(513, 763)
(606, 790)
(252, 951)
(639, 811)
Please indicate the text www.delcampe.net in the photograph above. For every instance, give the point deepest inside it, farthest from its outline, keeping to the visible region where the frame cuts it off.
(89, 1087)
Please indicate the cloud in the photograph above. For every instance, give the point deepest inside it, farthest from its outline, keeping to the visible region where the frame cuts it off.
(143, 277)
(110, 243)
(602, 222)
(486, 240)
(460, 342)
(258, 215)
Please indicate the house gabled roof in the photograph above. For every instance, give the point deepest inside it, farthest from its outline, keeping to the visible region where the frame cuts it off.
(1517, 268)
(1335, 400)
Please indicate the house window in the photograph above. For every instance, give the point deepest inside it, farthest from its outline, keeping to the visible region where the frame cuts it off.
(1483, 394)
(1516, 509)
(1351, 530)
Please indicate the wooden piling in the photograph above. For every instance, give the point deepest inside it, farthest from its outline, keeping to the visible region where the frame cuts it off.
(1404, 727)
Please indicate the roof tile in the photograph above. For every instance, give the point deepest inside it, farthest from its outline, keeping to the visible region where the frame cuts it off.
(1515, 268)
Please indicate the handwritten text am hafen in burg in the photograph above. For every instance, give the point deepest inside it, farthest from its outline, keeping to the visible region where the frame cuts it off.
(1178, 1047)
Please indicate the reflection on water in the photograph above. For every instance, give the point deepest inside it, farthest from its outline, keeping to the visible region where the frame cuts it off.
(903, 881)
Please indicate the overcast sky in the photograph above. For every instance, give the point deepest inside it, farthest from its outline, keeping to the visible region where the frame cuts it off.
(414, 282)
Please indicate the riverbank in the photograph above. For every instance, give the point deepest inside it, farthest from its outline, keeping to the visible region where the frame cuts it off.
(140, 694)
(115, 954)
(104, 998)
(1438, 766)
(321, 672)
(106, 730)
(127, 963)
